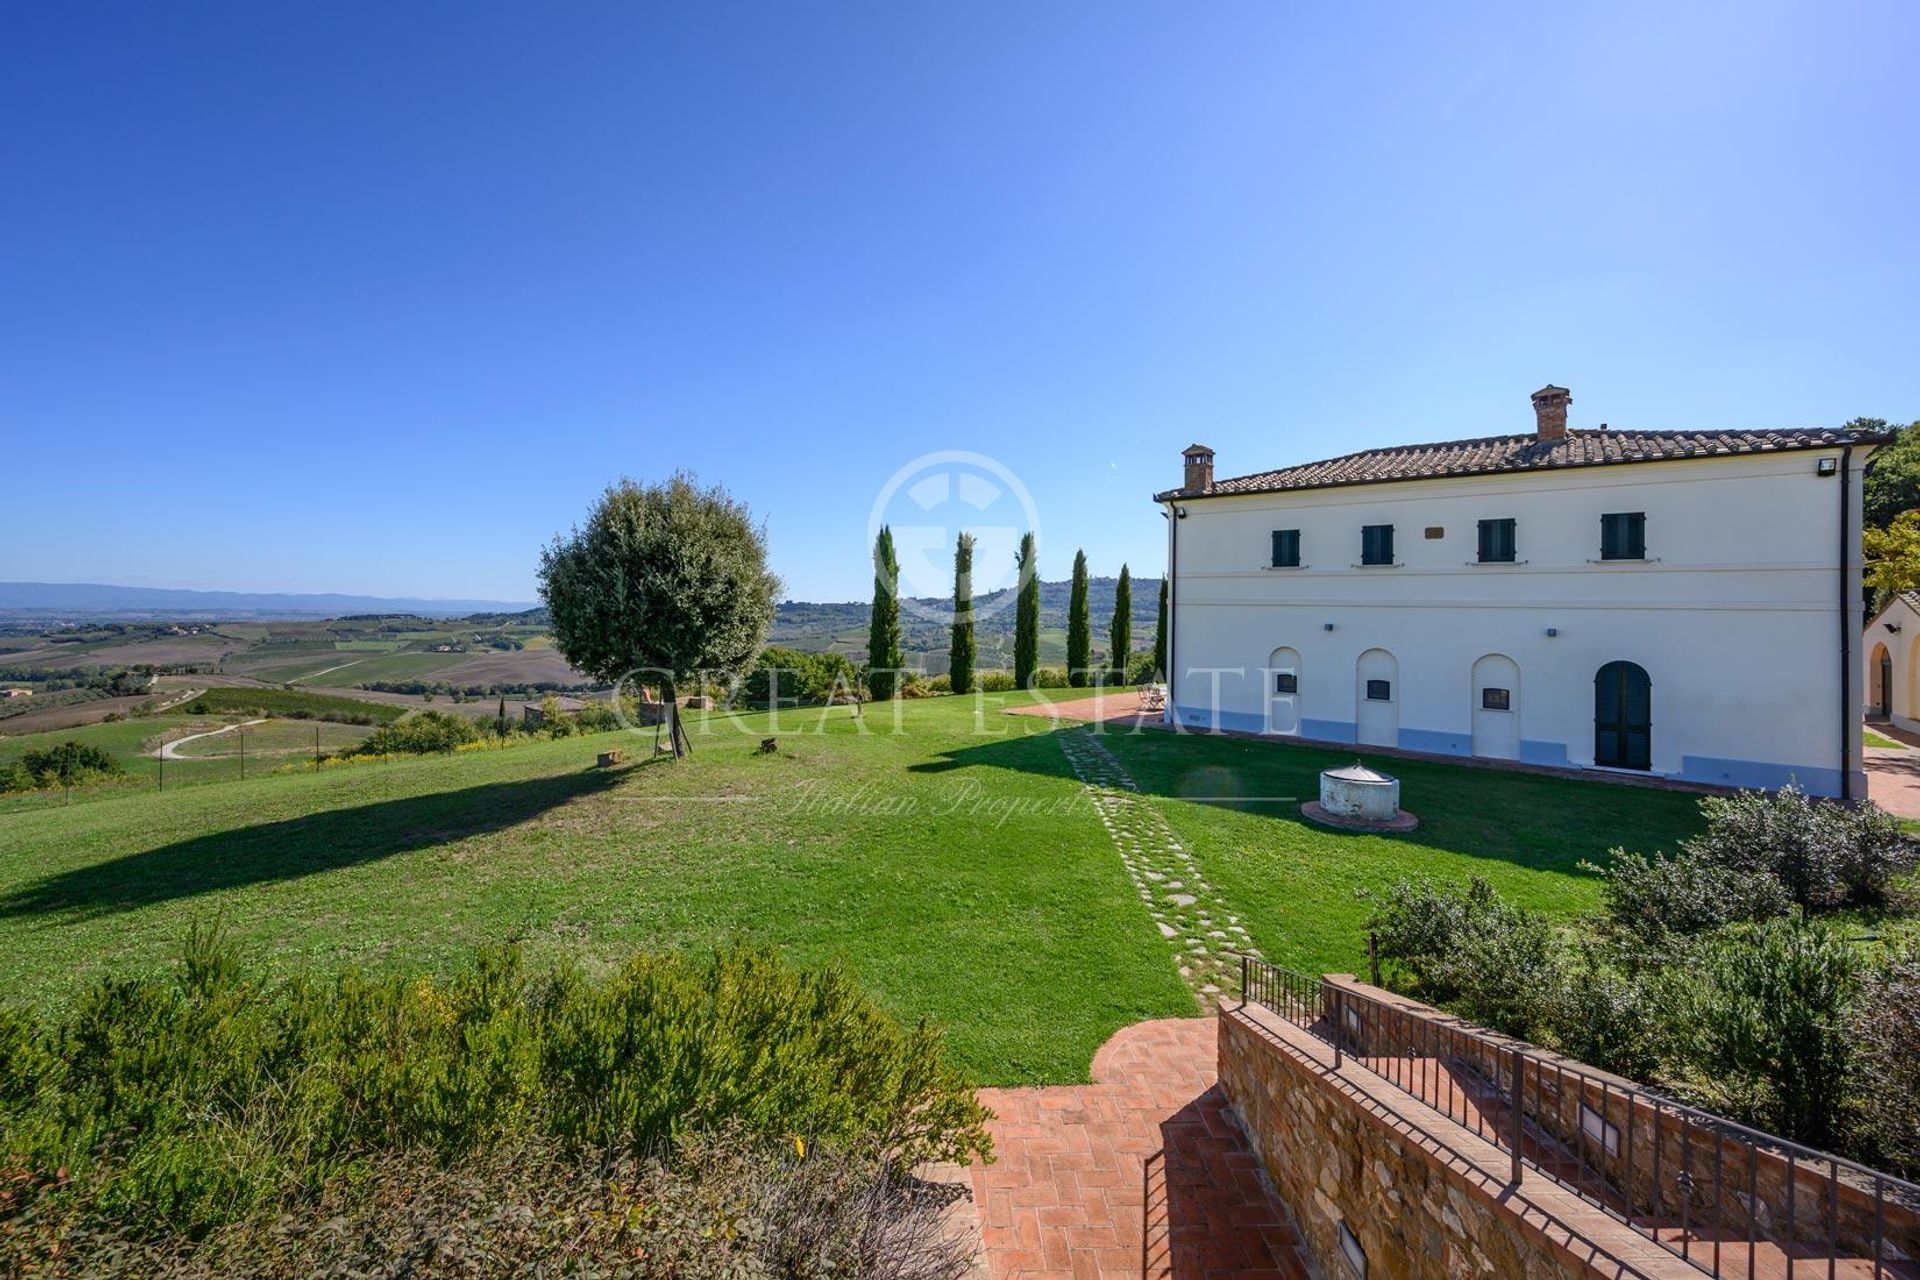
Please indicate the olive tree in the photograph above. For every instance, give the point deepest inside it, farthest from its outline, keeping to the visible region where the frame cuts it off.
(667, 579)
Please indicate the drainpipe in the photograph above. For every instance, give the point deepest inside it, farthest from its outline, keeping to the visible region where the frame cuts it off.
(1849, 592)
(1173, 608)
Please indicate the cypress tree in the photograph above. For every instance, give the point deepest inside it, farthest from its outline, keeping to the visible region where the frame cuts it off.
(1026, 618)
(883, 623)
(1160, 635)
(1121, 636)
(961, 655)
(1079, 631)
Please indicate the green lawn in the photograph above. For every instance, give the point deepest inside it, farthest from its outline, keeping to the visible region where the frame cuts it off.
(130, 742)
(1296, 885)
(276, 741)
(960, 875)
(1873, 739)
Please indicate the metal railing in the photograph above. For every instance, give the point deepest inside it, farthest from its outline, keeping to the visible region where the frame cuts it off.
(1728, 1199)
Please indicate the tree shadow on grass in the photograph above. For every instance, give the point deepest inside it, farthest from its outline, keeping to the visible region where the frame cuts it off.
(330, 840)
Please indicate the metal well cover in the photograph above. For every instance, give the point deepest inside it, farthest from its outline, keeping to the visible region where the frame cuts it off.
(1357, 772)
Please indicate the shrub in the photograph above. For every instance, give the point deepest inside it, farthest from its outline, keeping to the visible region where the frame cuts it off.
(70, 764)
(1659, 901)
(1771, 1040)
(995, 681)
(207, 1096)
(795, 677)
(426, 732)
(723, 1207)
(942, 683)
(1141, 668)
(1050, 678)
(1825, 855)
(1886, 1030)
(1483, 958)
(1620, 1022)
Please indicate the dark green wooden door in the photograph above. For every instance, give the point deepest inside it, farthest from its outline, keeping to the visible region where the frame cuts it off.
(1623, 717)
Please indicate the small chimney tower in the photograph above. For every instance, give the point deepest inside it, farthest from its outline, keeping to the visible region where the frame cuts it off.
(1199, 460)
(1550, 411)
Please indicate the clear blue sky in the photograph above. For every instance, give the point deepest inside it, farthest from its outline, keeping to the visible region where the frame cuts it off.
(377, 297)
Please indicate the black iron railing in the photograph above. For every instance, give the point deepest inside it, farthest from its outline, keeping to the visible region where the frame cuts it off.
(1728, 1199)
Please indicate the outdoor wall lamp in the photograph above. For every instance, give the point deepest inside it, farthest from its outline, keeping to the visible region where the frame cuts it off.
(1329, 626)
(1828, 466)
(1552, 632)
(1894, 627)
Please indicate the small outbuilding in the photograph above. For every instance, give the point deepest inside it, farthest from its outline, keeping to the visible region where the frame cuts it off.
(1892, 648)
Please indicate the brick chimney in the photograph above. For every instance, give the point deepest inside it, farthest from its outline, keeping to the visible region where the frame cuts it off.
(1550, 411)
(1199, 466)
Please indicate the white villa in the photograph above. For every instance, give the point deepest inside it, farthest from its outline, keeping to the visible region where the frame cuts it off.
(1684, 604)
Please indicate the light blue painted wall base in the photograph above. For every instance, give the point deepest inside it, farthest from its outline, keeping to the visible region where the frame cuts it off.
(1204, 718)
(1436, 743)
(1708, 770)
(1330, 730)
(1759, 774)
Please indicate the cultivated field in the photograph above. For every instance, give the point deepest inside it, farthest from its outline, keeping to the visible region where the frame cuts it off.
(958, 866)
(160, 651)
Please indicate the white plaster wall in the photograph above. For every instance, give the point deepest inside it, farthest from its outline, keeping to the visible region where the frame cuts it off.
(1735, 615)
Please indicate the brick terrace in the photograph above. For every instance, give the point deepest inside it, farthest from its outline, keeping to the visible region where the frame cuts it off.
(1143, 1173)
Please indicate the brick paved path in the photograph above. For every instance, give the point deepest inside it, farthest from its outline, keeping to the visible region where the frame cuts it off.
(1893, 778)
(1140, 1174)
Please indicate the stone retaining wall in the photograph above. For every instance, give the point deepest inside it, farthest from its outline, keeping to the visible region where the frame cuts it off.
(1642, 1148)
(1419, 1195)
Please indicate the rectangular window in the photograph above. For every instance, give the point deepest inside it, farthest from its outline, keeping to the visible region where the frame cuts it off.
(1600, 1129)
(1376, 544)
(1286, 548)
(1623, 535)
(1496, 542)
(1379, 691)
(1286, 682)
(1496, 699)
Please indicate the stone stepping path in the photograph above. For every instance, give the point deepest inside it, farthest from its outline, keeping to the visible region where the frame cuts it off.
(1207, 939)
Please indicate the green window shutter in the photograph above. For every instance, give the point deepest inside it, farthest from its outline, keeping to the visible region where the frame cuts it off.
(1286, 548)
(1279, 542)
(1376, 544)
(1623, 535)
(1496, 541)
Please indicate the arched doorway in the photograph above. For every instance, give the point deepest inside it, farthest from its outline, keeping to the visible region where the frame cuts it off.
(1283, 691)
(1496, 707)
(1623, 717)
(1880, 678)
(1376, 717)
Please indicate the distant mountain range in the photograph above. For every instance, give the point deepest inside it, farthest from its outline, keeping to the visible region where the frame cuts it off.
(98, 600)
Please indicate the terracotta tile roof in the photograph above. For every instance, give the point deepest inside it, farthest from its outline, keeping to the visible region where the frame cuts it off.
(1493, 455)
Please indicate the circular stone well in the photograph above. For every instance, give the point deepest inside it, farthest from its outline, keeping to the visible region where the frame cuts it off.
(1359, 799)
